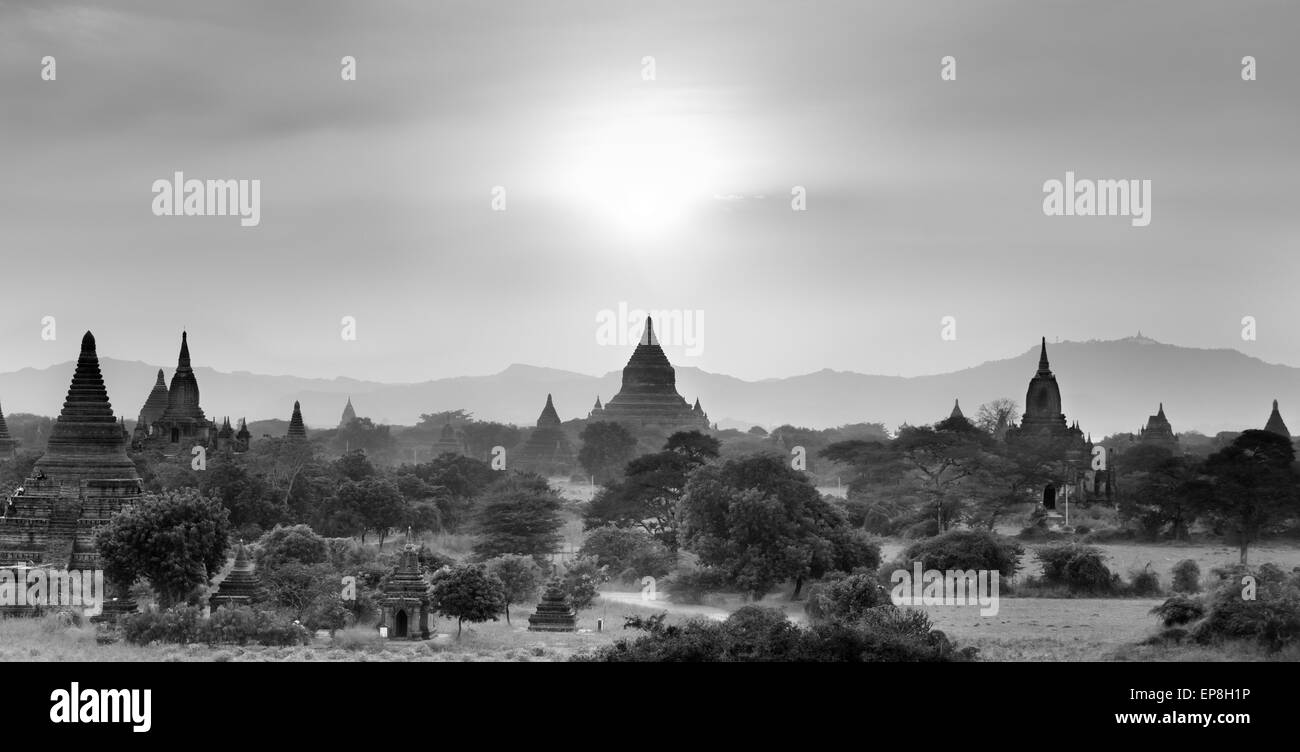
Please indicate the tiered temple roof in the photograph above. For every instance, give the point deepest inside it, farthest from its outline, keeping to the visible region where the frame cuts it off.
(1276, 424)
(404, 606)
(156, 404)
(82, 480)
(241, 585)
(349, 414)
(297, 429)
(1158, 431)
(7, 444)
(183, 419)
(554, 612)
(547, 447)
(649, 391)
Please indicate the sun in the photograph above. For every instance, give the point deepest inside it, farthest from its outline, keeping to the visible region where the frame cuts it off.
(642, 176)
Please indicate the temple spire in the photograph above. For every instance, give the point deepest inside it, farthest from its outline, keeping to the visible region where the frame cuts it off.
(648, 338)
(1043, 367)
(956, 410)
(297, 430)
(184, 360)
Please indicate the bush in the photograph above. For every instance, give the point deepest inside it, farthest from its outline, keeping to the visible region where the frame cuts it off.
(846, 598)
(753, 633)
(693, 587)
(1144, 583)
(179, 624)
(1179, 610)
(1187, 577)
(1271, 619)
(239, 625)
(296, 543)
(1081, 569)
(964, 550)
(631, 553)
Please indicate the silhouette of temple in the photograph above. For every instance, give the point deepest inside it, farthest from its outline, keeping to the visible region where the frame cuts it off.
(547, 448)
(1275, 423)
(649, 392)
(171, 418)
(349, 414)
(1158, 431)
(8, 447)
(297, 429)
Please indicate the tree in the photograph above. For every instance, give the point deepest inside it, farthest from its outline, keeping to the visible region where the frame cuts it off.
(355, 466)
(519, 575)
(1162, 499)
(582, 580)
(1248, 487)
(361, 434)
(761, 523)
(482, 435)
(648, 497)
(467, 592)
(520, 514)
(606, 448)
(697, 447)
(996, 416)
(381, 504)
(177, 541)
(285, 544)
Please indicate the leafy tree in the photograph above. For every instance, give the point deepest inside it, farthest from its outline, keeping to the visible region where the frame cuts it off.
(251, 501)
(467, 592)
(629, 553)
(520, 514)
(582, 580)
(481, 436)
(606, 448)
(380, 503)
(177, 541)
(294, 543)
(355, 466)
(361, 434)
(997, 415)
(1162, 499)
(1249, 487)
(698, 447)
(520, 577)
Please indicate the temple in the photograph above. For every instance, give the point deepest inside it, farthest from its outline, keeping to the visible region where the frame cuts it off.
(547, 448)
(554, 613)
(1158, 431)
(404, 606)
(649, 392)
(82, 480)
(241, 585)
(8, 447)
(154, 407)
(297, 429)
(349, 415)
(1275, 423)
(447, 442)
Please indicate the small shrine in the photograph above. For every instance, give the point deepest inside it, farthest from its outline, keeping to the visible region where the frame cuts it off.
(404, 607)
(240, 586)
(554, 613)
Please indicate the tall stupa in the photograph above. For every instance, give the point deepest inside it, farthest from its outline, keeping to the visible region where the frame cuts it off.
(649, 392)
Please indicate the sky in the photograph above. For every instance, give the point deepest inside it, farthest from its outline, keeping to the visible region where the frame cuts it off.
(665, 193)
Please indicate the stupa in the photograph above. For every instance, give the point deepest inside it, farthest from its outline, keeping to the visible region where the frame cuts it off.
(447, 443)
(649, 392)
(404, 606)
(8, 447)
(240, 586)
(297, 430)
(82, 480)
(349, 414)
(154, 407)
(1275, 423)
(547, 449)
(554, 613)
(1158, 431)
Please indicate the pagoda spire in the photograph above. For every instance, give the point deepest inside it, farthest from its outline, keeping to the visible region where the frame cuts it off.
(956, 409)
(1043, 367)
(297, 430)
(648, 338)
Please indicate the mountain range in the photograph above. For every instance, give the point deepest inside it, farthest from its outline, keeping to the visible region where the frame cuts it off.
(1108, 386)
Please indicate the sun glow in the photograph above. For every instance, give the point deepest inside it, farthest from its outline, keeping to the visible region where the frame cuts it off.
(643, 176)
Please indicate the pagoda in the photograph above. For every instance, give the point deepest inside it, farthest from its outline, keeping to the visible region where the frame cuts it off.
(182, 421)
(547, 448)
(1158, 431)
(243, 436)
(1275, 423)
(447, 443)
(649, 392)
(297, 430)
(349, 415)
(241, 586)
(8, 447)
(554, 612)
(404, 606)
(154, 407)
(82, 480)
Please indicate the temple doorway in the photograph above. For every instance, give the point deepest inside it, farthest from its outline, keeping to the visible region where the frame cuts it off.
(1049, 496)
(399, 624)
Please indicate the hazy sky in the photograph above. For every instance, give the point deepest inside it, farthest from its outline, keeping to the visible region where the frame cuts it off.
(924, 197)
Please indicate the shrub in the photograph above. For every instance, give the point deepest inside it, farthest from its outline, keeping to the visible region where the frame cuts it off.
(632, 553)
(180, 624)
(1179, 610)
(296, 543)
(582, 580)
(845, 598)
(1271, 618)
(1144, 583)
(1081, 569)
(1187, 577)
(964, 550)
(694, 586)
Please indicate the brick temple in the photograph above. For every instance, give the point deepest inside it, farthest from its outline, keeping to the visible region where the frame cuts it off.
(83, 479)
(649, 392)
(547, 448)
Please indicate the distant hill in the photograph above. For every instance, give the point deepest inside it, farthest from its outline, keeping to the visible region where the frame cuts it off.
(1108, 386)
